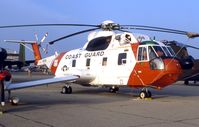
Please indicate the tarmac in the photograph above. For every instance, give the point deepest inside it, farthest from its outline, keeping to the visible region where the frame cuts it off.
(174, 106)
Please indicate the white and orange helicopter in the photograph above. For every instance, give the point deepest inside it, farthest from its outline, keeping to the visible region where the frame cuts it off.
(112, 57)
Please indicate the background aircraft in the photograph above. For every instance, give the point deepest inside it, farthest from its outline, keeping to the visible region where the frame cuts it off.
(181, 50)
(17, 60)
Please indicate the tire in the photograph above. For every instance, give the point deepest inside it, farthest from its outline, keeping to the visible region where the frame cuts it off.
(69, 90)
(149, 94)
(143, 94)
(116, 89)
(64, 90)
(112, 90)
(186, 82)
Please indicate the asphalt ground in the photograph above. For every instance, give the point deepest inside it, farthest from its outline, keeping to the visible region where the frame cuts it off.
(174, 106)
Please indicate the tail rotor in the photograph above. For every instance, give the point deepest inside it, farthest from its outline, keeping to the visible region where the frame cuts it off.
(45, 50)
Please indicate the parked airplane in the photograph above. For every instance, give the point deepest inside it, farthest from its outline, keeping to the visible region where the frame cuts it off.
(112, 59)
(17, 59)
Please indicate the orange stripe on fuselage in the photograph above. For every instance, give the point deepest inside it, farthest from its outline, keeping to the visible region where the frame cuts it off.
(56, 62)
(134, 48)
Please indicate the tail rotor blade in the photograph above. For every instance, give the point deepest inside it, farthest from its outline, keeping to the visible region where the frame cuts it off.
(36, 37)
(44, 37)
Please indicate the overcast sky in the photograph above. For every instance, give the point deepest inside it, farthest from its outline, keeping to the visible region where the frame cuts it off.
(175, 14)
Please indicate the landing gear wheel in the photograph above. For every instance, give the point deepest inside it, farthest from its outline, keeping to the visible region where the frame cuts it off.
(69, 90)
(149, 94)
(66, 90)
(145, 94)
(113, 89)
(186, 82)
(14, 100)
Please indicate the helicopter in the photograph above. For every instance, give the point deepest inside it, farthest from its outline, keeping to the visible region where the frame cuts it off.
(112, 57)
(182, 53)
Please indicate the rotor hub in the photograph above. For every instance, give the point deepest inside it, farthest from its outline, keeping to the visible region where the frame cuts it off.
(109, 25)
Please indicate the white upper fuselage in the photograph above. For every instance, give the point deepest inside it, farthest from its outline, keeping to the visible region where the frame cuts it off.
(111, 65)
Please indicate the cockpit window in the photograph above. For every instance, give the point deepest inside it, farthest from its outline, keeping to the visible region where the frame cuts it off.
(100, 43)
(166, 51)
(142, 54)
(171, 51)
(159, 51)
(151, 53)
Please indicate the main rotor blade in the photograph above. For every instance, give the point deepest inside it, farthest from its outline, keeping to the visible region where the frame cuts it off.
(152, 27)
(159, 29)
(182, 44)
(192, 47)
(34, 25)
(192, 35)
(73, 34)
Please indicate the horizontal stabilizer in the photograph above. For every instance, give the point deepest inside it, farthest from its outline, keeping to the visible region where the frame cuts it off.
(22, 85)
(20, 41)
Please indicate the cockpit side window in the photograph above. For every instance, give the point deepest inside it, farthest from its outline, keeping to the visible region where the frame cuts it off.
(142, 54)
(100, 43)
(152, 54)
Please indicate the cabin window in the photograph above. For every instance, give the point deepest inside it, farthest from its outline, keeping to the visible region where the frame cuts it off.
(122, 58)
(142, 54)
(74, 63)
(104, 61)
(100, 43)
(88, 62)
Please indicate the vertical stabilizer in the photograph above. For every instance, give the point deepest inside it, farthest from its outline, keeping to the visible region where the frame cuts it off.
(22, 53)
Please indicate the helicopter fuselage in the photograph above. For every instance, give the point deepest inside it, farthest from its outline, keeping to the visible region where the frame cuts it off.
(109, 59)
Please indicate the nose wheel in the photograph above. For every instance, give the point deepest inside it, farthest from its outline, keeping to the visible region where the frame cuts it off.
(66, 89)
(145, 94)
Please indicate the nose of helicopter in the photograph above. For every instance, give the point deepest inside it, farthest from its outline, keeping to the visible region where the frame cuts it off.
(171, 73)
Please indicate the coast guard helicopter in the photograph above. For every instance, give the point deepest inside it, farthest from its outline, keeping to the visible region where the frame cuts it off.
(110, 59)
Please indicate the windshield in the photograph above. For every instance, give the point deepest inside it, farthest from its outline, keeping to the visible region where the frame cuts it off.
(166, 51)
(159, 51)
(146, 53)
(171, 51)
